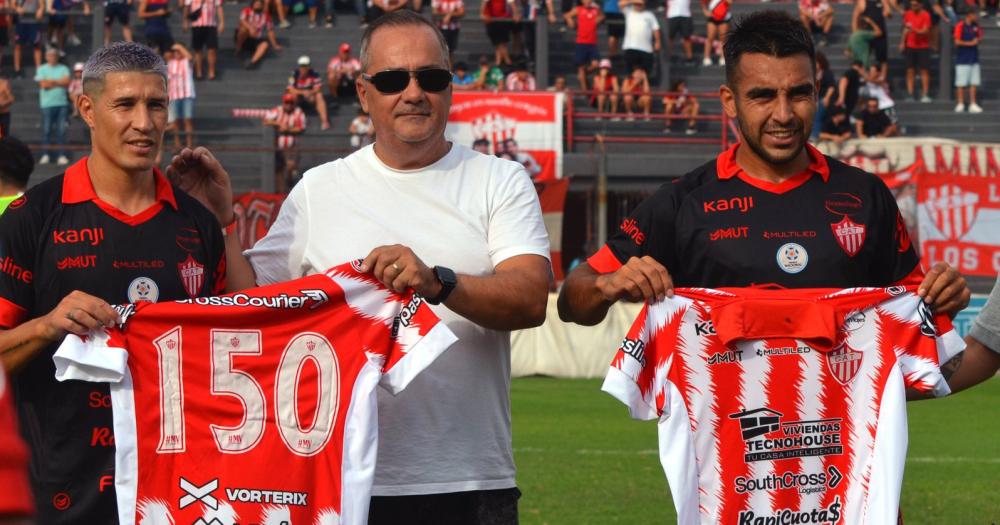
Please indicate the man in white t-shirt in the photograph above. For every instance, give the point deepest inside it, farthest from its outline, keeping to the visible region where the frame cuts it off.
(462, 229)
(642, 36)
(680, 24)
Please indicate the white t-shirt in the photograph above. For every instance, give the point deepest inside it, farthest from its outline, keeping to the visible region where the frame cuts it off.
(450, 431)
(639, 27)
(679, 8)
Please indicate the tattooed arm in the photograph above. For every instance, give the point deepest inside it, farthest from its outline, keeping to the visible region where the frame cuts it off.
(973, 366)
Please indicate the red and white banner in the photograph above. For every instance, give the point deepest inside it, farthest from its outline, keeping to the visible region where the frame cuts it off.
(255, 213)
(958, 219)
(552, 196)
(523, 126)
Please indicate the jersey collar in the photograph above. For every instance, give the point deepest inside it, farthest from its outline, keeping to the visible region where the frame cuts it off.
(78, 188)
(726, 167)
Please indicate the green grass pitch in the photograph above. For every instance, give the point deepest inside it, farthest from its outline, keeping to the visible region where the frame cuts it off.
(582, 460)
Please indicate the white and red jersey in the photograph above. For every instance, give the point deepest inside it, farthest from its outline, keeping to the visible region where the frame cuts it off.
(350, 66)
(209, 14)
(255, 407)
(782, 406)
(259, 22)
(446, 6)
(719, 9)
(180, 79)
(293, 119)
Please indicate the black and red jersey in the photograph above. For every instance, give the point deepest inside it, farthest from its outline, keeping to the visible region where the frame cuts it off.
(830, 226)
(60, 237)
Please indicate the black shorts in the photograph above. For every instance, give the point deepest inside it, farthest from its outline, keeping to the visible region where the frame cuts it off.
(724, 21)
(476, 507)
(251, 43)
(451, 38)
(881, 48)
(917, 58)
(117, 12)
(160, 41)
(202, 37)
(4, 124)
(498, 32)
(680, 25)
(635, 58)
(616, 24)
(4, 36)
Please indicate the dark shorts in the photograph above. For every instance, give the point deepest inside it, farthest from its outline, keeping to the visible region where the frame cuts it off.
(161, 41)
(58, 21)
(584, 54)
(635, 58)
(117, 12)
(616, 24)
(4, 36)
(715, 22)
(202, 37)
(478, 507)
(880, 46)
(917, 58)
(4, 124)
(27, 35)
(251, 43)
(499, 32)
(451, 37)
(682, 26)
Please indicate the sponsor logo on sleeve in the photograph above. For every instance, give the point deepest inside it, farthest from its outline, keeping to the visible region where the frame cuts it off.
(17, 203)
(767, 438)
(9, 267)
(792, 258)
(634, 348)
(631, 229)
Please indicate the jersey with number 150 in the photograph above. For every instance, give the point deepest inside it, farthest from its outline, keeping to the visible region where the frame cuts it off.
(259, 406)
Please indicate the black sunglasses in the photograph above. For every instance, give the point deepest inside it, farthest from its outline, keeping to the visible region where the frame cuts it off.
(431, 80)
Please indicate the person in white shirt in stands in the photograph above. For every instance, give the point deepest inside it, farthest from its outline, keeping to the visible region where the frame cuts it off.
(642, 36)
(680, 23)
(463, 229)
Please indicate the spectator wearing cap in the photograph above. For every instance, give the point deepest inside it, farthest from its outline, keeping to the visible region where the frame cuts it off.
(967, 36)
(53, 81)
(180, 91)
(6, 102)
(874, 123)
(255, 23)
(207, 21)
(520, 79)
(642, 36)
(836, 127)
(341, 72)
(680, 102)
(606, 90)
(156, 13)
(500, 19)
(488, 76)
(585, 18)
(307, 86)
(447, 14)
(916, 48)
(290, 121)
(461, 79)
(75, 88)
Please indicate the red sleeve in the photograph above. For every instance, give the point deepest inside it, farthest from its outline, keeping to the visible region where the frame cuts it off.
(604, 261)
(957, 34)
(15, 498)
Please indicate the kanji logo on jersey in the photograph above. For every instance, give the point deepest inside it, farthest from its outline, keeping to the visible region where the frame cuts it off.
(952, 210)
(767, 438)
(849, 234)
(844, 363)
(192, 275)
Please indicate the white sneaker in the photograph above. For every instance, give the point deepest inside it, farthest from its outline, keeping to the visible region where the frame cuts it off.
(44, 159)
(926, 99)
(722, 60)
(62, 160)
(74, 40)
(959, 108)
(690, 131)
(706, 61)
(616, 119)
(975, 108)
(284, 24)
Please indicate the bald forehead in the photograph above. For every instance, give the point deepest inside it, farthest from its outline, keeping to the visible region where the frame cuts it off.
(406, 47)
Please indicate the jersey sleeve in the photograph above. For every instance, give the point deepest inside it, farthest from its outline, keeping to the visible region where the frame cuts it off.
(648, 230)
(280, 255)
(515, 218)
(923, 342)
(99, 357)
(897, 258)
(638, 373)
(418, 338)
(15, 498)
(19, 227)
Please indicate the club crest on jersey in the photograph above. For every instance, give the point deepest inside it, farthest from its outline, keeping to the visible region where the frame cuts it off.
(849, 234)
(844, 363)
(792, 257)
(952, 210)
(143, 289)
(192, 275)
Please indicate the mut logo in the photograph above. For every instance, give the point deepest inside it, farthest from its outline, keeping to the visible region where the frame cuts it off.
(739, 232)
(743, 204)
(729, 356)
(91, 236)
(79, 261)
(631, 228)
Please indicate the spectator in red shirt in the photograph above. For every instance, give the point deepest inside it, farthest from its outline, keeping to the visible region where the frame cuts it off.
(635, 88)
(307, 87)
(520, 79)
(500, 20)
(606, 89)
(586, 57)
(254, 24)
(290, 122)
(680, 102)
(915, 46)
(341, 73)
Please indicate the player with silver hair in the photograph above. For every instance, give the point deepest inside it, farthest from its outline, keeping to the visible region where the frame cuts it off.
(128, 212)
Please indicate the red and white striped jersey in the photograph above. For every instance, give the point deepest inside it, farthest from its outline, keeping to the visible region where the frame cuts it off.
(209, 14)
(259, 406)
(259, 22)
(180, 79)
(720, 9)
(295, 119)
(446, 6)
(782, 406)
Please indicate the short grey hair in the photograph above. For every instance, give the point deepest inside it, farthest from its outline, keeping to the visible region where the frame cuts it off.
(121, 57)
(401, 18)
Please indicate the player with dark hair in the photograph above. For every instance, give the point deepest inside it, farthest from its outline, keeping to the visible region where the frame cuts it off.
(16, 165)
(771, 210)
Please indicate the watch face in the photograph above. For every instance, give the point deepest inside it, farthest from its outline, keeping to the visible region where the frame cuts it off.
(445, 275)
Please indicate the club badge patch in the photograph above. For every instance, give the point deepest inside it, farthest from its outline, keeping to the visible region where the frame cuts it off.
(849, 234)
(192, 275)
(844, 363)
